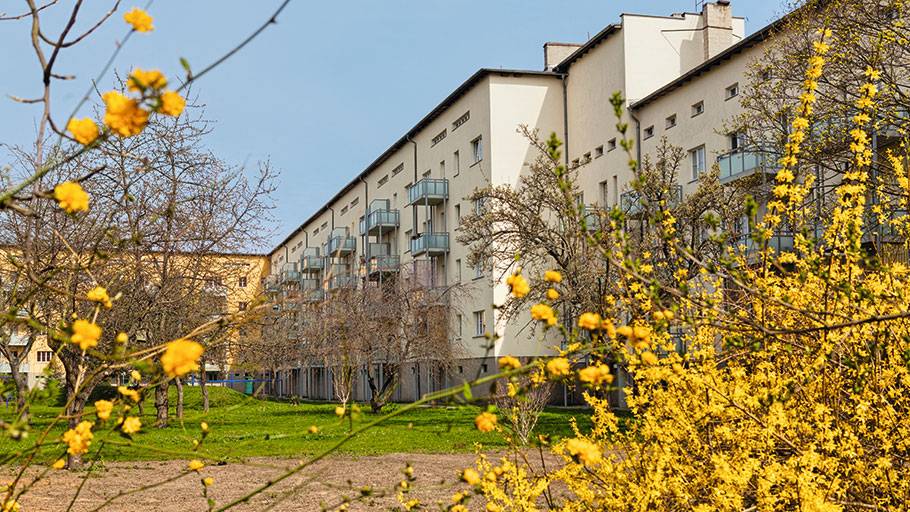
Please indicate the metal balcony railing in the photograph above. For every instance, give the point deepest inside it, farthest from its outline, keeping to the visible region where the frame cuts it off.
(430, 243)
(343, 281)
(592, 218)
(778, 241)
(384, 264)
(288, 273)
(739, 164)
(340, 243)
(379, 220)
(632, 203)
(311, 261)
(429, 191)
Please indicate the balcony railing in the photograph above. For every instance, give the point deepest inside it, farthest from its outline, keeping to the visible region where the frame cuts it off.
(429, 191)
(632, 203)
(343, 281)
(592, 218)
(739, 164)
(311, 261)
(340, 245)
(778, 241)
(378, 221)
(430, 243)
(384, 264)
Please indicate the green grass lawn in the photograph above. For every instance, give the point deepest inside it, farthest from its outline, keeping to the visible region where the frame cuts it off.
(244, 427)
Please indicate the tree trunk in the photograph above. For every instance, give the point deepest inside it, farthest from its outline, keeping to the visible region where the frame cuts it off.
(161, 404)
(203, 378)
(380, 393)
(179, 383)
(21, 388)
(74, 408)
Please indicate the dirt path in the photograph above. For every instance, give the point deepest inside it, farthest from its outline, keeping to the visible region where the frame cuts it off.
(326, 482)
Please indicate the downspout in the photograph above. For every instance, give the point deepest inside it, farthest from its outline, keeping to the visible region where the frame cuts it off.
(565, 115)
(414, 231)
(366, 213)
(637, 136)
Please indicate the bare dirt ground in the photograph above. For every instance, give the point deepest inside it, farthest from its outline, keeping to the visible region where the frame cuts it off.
(322, 484)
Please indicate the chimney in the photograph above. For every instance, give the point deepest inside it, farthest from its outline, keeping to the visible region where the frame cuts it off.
(718, 33)
(554, 53)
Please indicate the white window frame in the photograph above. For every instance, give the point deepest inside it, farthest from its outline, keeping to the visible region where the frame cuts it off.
(480, 324)
(697, 161)
(477, 149)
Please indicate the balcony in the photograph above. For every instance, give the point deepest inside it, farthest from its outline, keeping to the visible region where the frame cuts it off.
(311, 261)
(311, 289)
(271, 284)
(592, 218)
(340, 243)
(739, 164)
(778, 241)
(429, 191)
(633, 205)
(379, 218)
(382, 265)
(431, 244)
(289, 273)
(340, 281)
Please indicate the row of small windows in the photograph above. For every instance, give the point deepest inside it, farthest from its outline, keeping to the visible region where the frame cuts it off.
(697, 109)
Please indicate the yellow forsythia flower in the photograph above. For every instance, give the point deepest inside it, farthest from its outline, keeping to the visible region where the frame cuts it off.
(589, 321)
(649, 357)
(59, 464)
(122, 338)
(172, 104)
(181, 357)
(135, 375)
(485, 421)
(71, 197)
(313, 429)
(139, 20)
(544, 313)
(141, 80)
(196, 465)
(558, 367)
(509, 363)
(10, 506)
(584, 451)
(204, 426)
(595, 375)
(519, 285)
(552, 294)
(84, 130)
(123, 115)
(208, 481)
(99, 294)
(131, 425)
(625, 331)
(85, 334)
(132, 394)
(103, 409)
(470, 476)
(79, 438)
(552, 276)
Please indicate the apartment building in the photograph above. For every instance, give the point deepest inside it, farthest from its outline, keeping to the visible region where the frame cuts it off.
(681, 75)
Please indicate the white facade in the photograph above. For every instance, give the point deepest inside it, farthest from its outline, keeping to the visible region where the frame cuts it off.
(662, 65)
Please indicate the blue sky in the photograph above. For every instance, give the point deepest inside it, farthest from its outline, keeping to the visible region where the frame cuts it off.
(328, 88)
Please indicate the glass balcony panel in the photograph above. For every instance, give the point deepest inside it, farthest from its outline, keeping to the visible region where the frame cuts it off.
(430, 243)
(429, 191)
(739, 164)
(384, 264)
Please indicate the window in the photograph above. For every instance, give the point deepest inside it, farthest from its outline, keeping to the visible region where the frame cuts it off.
(241, 306)
(457, 214)
(477, 149)
(604, 193)
(458, 326)
(671, 121)
(615, 190)
(478, 271)
(598, 151)
(383, 181)
(242, 282)
(611, 144)
(344, 210)
(483, 368)
(697, 158)
(427, 174)
(478, 206)
(461, 120)
(442, 169)
(732, 91)
(355, 201)
(736, 141)
(45, 356)
(398, 169)
(480, 326)
(457, 271)
(587, 157)
(698, 108)
(649, 132)
(438, 138)
(408, 235)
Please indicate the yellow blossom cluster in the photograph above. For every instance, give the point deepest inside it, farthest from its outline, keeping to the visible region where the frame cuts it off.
(85, 334)
(181, 357)
(71, 197)
(79, 438)
(99, 294)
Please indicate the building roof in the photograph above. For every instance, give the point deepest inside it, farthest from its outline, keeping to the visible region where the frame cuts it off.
(598, 38)
(735, 49)
(460, 91)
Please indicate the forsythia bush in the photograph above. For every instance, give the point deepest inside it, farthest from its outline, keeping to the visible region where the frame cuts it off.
(783, 387)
